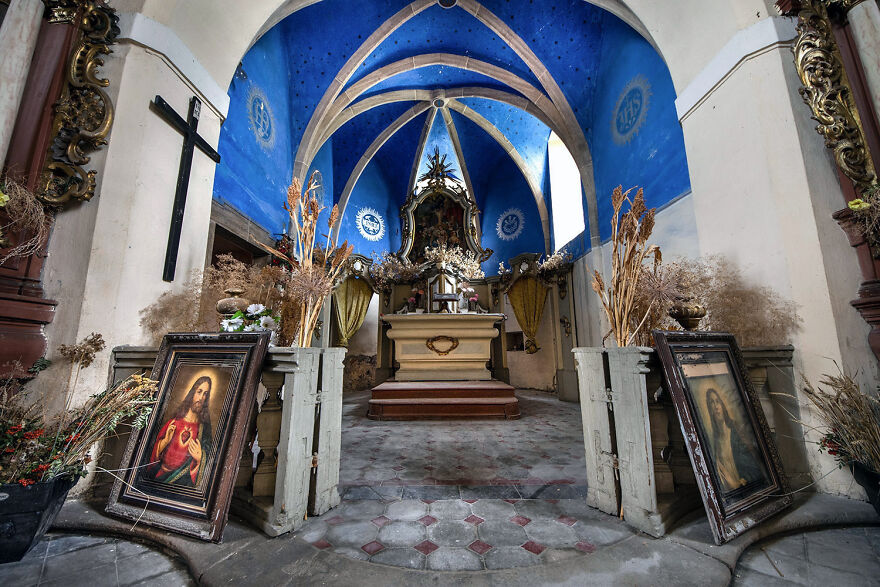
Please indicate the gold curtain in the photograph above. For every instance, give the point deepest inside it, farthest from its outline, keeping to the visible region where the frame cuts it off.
(527, 296)
(352, 300)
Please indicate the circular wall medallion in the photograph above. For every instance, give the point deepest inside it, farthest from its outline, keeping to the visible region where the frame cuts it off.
(261, 118)
(510, 224)
(631, 110)
(370, 224)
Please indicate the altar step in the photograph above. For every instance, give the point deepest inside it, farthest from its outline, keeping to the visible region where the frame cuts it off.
(418, 400)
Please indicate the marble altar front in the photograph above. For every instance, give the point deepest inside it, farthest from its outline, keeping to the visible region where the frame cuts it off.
(442, 347)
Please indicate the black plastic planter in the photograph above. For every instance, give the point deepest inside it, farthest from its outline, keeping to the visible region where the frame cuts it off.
(870, 481)
(27, 512)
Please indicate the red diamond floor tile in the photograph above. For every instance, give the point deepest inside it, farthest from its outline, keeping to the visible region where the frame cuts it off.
(321, 544)
(427, 520)
(426, 547)
(567, 520)
(380, 521)
(587, 547)
(480, 547)
(511, 501)
(429, 501)
(470, 500)
(534, 547)
(521, 520)
(335, 520)
(475, 520)
(373, 547)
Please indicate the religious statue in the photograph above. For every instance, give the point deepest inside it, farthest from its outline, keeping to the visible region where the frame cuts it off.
(178, 454)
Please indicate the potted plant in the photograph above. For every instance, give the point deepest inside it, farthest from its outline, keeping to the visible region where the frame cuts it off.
(42, 456)
(850, 428)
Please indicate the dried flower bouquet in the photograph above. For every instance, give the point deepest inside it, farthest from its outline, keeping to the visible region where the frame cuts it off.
(36, 447)
(465, 263)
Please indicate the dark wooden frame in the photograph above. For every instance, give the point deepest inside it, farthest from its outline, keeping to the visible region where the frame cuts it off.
(207, 520)
(752, 507)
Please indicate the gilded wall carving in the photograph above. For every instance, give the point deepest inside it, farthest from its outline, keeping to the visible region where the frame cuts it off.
(84, 112)
(827, 92)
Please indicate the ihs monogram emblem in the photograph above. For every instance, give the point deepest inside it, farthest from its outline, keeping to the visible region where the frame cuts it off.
(510, 224)
(631, 110)
(261, 118)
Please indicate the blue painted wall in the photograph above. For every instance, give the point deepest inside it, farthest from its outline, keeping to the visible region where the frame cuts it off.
(596, 59)
(654, 156)
(253, 175)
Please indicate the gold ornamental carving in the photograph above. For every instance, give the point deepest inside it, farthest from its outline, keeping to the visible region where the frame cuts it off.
(453, 344)
(827, 92)
(84, 112)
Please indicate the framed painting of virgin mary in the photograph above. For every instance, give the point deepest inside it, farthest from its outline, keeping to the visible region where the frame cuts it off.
(733, 455)
(177, 473)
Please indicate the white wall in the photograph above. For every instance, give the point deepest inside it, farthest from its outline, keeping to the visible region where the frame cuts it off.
(115, 269)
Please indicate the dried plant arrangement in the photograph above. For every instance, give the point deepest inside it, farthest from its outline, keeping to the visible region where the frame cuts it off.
(35, 446)
(388, 270)
(866, 210)
(22, 216)
(629, 252)
(850, 420)
(194, 307)
(314, 270)
(465, 263)
(756, 314)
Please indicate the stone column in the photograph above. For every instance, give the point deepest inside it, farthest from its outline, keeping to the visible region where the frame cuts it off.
(18, 37)
(864, 19)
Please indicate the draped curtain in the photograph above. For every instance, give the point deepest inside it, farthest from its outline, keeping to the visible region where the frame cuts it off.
(352, 300)
(527, 297)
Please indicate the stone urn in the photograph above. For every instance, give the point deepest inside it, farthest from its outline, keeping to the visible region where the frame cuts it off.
(232, 304)
(687, 313)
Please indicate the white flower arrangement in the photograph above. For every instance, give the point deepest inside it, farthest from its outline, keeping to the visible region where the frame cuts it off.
(255, 318)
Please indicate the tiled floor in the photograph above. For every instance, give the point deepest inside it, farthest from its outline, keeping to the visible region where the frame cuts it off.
(93, 561)
(841, 557)
(463, 534)
(464, 494)
(544, 447)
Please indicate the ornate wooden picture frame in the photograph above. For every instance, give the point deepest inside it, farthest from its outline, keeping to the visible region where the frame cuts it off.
(178, 472)
(733, 455)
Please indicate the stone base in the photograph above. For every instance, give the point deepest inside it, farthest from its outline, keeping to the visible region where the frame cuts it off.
(423, 400)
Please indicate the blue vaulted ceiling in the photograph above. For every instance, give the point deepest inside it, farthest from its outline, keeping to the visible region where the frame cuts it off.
(299, 103)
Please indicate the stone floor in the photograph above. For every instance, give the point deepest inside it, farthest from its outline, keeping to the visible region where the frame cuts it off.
(464, 534)
(487, 503)
(93, 561)
(839, 557)
(544, 447)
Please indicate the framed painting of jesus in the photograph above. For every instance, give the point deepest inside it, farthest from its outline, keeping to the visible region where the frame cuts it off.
(178, 472)
(733, 455)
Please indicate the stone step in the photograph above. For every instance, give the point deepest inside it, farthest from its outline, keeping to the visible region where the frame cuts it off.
(437, 408)
(437, 389)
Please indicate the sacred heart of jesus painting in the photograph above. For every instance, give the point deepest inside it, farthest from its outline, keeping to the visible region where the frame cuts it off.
(179, 470)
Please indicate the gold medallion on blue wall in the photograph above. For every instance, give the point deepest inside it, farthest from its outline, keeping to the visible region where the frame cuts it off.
(370, 224)
(631, 110)
(262, 120)
(510, 224)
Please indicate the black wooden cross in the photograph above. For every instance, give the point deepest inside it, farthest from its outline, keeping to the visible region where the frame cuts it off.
(190, 139)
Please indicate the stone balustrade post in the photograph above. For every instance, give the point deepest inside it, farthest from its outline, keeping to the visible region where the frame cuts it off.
(268, 432)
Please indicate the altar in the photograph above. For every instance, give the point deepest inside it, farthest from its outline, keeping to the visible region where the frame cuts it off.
(440, 340)
(442, 347)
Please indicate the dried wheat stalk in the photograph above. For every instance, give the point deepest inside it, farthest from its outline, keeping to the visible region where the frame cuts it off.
(629, 250)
